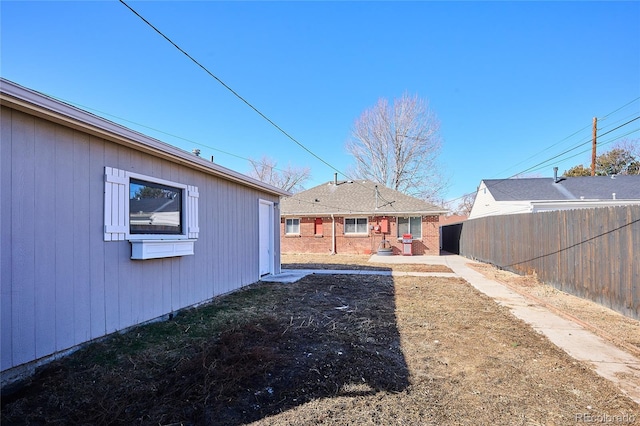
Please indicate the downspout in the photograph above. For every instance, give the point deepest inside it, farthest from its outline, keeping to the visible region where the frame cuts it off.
(333, 234)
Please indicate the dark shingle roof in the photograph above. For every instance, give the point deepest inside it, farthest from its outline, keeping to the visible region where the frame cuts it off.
(573, 188)
(353, 197)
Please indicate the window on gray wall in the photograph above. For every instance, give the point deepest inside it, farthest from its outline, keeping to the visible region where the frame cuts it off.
(154, 208)
(410, 225)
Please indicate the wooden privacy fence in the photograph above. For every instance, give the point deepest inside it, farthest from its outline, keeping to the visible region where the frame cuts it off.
(591, 253)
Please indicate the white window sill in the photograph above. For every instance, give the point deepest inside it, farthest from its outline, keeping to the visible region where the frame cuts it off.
(157, 249)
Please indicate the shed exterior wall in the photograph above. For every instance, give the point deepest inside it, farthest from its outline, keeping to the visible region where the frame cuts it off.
(61, 284)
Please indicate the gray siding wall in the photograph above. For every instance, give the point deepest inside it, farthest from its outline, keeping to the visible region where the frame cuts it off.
(61, 284)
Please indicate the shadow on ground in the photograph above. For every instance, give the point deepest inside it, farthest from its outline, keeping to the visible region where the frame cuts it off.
(322, 337)
(338, 341)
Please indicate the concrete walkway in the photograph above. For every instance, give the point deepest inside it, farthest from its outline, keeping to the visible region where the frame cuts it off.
(607, 360)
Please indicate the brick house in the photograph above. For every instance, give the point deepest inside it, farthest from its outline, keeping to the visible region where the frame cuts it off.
(357, 217)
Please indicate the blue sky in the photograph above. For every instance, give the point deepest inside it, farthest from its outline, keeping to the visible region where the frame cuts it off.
(513, 83)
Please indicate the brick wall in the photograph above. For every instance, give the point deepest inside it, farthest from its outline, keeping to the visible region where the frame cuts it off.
(316, 237)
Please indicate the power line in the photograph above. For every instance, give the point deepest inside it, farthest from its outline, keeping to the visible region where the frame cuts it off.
(253, 162)
(200, 144)
(573, 245)
(546, 149)
(150, 128)
(280, 128)
(589, 149)
(577, 146)
(575, 133)
(236, 94)
(616, 128)
(623, 106)
(538, 165)
(619, 120)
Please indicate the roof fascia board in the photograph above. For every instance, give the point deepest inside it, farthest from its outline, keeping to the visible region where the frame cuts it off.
(585, 203)
(32, 102)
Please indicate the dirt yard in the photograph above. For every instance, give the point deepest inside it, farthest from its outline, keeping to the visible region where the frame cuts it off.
(334, 349)
(622, 331)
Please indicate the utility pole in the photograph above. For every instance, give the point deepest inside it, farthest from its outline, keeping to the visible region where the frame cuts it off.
(593, 146)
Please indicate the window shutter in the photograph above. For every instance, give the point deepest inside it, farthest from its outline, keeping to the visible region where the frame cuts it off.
(192, 212)
(115, 199)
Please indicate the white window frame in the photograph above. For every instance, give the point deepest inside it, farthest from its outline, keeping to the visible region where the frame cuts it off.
(415, 237)
(285, 225)
(366, 226)
(148, 246)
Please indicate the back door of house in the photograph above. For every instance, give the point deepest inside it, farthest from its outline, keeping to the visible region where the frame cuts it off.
(266, 245)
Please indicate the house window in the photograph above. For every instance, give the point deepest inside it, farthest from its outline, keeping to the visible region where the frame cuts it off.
(355, 225)
(410, 225)
(318, 226)
(292, 226)
(154, 208)
(158, 217)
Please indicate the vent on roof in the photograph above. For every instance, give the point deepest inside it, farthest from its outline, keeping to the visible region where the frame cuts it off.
(557, 179)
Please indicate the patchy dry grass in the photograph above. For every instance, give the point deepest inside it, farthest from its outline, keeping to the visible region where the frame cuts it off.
(620, 330)
(336, 349)
(353, 262)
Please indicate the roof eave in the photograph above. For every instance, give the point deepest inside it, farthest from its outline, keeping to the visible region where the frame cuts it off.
(26, 100)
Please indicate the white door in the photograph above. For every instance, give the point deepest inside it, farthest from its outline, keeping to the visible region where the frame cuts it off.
(265, 243)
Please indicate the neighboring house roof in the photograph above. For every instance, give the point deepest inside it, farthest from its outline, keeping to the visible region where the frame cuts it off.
(20, 98)
(355, 197)
(511, 196)
(625, 187)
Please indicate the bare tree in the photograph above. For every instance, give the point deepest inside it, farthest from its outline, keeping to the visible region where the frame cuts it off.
(466, 204)
(623, 158)
(632, 146)
(398, 146)
(290, 179)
